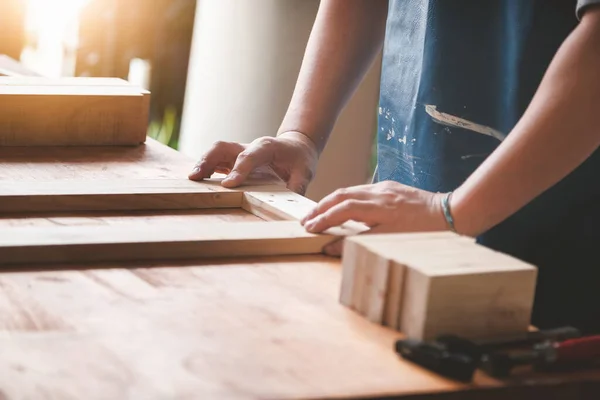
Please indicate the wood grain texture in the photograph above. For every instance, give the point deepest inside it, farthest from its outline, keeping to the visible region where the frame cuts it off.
(74, 114)
(278, 203)
(41, 81)
(267, 328)
(105, 195)
(148, 161)
(135, 242)
(393, 299)
(450, 285)
(228, 329)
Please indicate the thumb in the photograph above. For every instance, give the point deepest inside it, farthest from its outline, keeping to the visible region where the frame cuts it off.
(298, 183)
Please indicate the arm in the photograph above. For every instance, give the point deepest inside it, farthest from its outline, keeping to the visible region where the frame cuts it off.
(346, 37)
(557, 133)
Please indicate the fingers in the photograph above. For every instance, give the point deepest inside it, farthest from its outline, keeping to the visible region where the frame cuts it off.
(259, 153)
(223, 169)
(358, 210)
(220, 157)
(340, 195)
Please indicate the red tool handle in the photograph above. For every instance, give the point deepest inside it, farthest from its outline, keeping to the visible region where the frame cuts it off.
(579, 349)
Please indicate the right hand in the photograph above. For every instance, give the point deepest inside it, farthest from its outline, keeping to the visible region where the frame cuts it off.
(292, 155)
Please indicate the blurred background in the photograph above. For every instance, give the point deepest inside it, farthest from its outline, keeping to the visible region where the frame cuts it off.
(217, 69)
(144, 41)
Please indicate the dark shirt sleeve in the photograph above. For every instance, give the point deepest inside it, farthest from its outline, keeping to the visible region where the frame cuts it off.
(583, 5)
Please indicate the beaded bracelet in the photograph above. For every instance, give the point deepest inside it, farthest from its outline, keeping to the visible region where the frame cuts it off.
(446, 210)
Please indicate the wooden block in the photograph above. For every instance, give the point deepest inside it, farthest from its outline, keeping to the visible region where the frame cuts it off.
(135, 242)
(376, 291)
(364, 286)
(359, 281)
(393, 300)
(349, 264)
(72, 112)
(446, 283)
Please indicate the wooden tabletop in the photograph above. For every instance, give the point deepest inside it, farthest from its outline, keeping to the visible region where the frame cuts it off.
(227, 329)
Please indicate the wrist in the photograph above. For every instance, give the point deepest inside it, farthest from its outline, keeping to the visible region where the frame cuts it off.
(464, 214)
(445, 208)
(301, 137)
(316, 133)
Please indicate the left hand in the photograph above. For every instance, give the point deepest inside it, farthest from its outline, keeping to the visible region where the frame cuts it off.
(385, 207)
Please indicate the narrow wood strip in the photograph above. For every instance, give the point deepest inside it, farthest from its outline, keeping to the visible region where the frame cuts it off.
(109, 195)
(349, 265)
(393, 304)
(378, 291)
(38, 81)
(278, 203)
(359, 281)
(70, 90)
(66, 244)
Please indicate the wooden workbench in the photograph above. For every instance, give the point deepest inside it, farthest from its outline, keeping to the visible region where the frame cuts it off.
(226, 329)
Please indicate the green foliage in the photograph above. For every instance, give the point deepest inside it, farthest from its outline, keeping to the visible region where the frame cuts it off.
(166, 130)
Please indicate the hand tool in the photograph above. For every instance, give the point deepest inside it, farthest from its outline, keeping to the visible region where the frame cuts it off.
(474, 347)
(437, 357)
(548, 355)
(458, 358)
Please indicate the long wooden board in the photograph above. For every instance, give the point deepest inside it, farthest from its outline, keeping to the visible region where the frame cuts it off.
(121, 194)
(271, 202)
(131, 241)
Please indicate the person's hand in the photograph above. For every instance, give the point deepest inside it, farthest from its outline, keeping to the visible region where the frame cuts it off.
(384, 207)
(292, 155)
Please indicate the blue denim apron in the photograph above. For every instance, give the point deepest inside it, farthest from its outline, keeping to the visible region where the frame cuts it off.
(456, 77)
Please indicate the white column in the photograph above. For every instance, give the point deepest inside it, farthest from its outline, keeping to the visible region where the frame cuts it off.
(245, 59)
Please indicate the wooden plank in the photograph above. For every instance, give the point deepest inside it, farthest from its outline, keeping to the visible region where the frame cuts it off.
(350, 253)
(151, 219)
(105, 195)
(133, 242)
(359, 280)
(72, 115)
(71, 91)
(393, 301)
(64, 81)
(152, 160)
(451, 285)
(377, 293)
(278, 203)
(367, 275)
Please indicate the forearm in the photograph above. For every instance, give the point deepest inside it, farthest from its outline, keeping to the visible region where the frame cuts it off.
(558, 132)
(346, 37)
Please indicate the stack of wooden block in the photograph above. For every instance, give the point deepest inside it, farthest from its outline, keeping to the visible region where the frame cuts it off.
(429, 284)
(37, 111)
